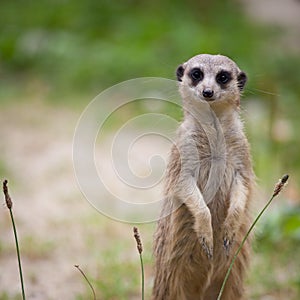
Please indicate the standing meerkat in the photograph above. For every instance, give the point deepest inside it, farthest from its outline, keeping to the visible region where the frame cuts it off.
(208, 188)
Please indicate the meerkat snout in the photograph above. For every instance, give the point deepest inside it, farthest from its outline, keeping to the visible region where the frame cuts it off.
(207, 93)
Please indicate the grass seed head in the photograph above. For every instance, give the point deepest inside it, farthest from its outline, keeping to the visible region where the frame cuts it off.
(6, 195)
(138, 239)
(279, 186)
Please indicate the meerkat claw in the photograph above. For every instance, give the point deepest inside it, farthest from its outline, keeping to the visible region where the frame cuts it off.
(206, 248)
(227, 242)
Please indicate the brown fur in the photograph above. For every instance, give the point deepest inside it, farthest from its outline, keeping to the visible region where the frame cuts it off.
(208, 187)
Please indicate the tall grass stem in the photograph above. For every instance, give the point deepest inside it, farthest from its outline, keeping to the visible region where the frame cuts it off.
(9, 206)
(276, 191)
(143, 277)
(139, 246)
(18, 254)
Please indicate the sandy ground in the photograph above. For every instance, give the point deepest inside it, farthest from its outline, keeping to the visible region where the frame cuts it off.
(36, 145)
(55, 221)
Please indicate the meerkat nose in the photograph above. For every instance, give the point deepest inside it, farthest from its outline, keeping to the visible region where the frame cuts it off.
(207, 93)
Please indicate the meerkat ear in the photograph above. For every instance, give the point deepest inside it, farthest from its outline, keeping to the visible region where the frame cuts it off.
(180, 72)
(242, 79)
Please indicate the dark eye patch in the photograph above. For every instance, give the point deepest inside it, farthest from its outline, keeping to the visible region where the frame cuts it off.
(223, 77)
(196, 75)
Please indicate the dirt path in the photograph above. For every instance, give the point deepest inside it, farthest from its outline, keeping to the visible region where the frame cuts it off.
(57, 226)
(36, 152)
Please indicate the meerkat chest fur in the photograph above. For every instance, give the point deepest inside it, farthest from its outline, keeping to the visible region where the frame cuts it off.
(221, 154)
(212, 149)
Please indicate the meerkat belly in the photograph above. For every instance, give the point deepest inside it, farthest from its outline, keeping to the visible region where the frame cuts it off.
(215, 178)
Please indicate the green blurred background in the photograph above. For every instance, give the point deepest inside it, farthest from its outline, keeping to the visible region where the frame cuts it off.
(55, 56)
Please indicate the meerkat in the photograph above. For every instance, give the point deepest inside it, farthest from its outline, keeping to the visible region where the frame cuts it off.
(208, 188)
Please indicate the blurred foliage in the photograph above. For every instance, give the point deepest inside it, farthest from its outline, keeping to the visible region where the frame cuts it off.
(282, 227)
(65, 50)
(83, 45)
(5, 296)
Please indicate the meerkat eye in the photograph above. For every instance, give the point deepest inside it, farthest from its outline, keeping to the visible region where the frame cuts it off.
(223, 77)
(196, 74)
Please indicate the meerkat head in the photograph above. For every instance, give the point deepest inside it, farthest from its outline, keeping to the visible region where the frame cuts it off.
(211, 78)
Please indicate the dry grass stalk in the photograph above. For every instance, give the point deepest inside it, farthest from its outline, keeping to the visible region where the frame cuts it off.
(9, 205)
(140, 250)
(87, 280)
(138, 239)
(8, 200)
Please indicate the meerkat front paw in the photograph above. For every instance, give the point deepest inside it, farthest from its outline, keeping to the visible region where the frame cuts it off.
(228, 236)
(203, 229)
(207, 246)
(228, 240)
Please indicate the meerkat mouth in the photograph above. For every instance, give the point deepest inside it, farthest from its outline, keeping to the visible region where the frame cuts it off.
(209, 100)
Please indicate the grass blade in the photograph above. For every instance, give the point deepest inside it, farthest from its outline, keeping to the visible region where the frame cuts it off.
(87, 280)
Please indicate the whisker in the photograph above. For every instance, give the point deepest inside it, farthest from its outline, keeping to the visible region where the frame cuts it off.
(254, 90)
